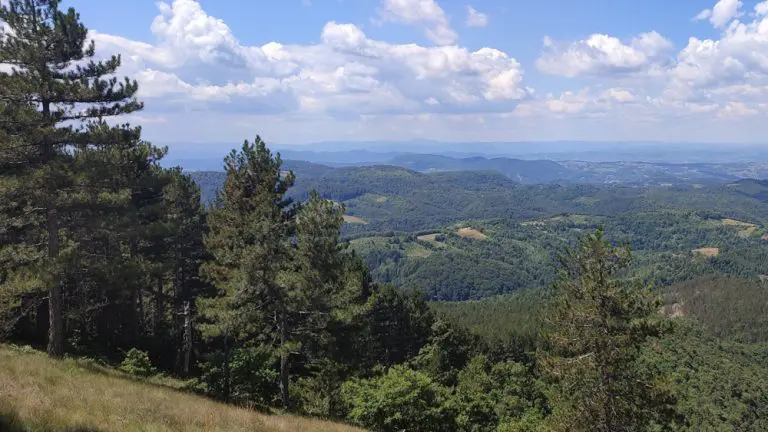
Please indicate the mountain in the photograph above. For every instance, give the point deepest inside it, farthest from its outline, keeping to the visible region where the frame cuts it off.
(525, 171)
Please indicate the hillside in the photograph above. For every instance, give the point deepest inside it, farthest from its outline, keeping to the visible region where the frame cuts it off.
(38, 394)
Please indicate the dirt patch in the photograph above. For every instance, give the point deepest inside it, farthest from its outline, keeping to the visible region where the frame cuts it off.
(707, 252)
(428, 237)
(354, 220)
(381, 199)
(765, 237)
(763, 278)
(471, 233)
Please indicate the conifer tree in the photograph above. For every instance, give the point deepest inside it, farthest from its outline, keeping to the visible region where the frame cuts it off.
(55, 101)
(249, 237)
(594, 337)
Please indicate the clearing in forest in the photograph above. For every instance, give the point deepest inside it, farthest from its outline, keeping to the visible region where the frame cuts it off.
(707, 252)
(354, 220)
(471, 233)
(747, 228)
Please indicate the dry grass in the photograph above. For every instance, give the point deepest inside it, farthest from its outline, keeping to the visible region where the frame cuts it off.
(747, 228)
(707, 252)
(354, 220)
(471, 233)
(381, 199)
(38, 394)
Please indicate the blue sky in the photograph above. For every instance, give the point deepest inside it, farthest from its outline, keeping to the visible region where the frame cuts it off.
(299, 71)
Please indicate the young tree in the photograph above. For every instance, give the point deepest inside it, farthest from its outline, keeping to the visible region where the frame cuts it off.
(55, 101)
(594, 337)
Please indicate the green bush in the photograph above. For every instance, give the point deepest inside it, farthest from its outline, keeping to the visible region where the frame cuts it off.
(402, 399)
(136, 362)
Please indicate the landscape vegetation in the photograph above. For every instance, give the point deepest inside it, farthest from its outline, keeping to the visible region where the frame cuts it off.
(421, 293)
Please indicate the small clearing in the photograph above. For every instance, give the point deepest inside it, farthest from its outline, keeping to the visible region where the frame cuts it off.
(471, 233)
(706, 252)
(747, 228)
(381, 199)
(428, 237)
(765, 237)
(354, 220)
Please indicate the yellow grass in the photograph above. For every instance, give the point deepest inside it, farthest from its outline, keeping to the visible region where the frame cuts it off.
(354, 220)
(748, 228)
(38, 394)
(471, 233)
(707, 252)
(381, 199)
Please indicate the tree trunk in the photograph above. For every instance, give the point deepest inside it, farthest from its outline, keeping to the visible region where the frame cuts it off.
(284, 377)
(55, 315)
(187, 348)
(157, 317)
(227, 382)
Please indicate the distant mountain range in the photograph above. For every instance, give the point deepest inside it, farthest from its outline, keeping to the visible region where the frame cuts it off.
(520, 171)
(208, 156)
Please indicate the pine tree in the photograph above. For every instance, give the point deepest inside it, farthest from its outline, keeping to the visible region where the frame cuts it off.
(249, 238)
(594, 337)
(54, 104)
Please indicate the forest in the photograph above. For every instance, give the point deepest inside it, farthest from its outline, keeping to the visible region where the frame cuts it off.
(377, 297)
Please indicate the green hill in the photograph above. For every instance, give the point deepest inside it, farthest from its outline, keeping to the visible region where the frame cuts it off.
(39, 394)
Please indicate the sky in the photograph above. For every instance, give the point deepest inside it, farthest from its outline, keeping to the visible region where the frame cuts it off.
(300, 71)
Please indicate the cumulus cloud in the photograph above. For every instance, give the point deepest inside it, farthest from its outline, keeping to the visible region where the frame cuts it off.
(196, 62)
(601, 54)
(721, 14)
(424, 13)
(475, 18)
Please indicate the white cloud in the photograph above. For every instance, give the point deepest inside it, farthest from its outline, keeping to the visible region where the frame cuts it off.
(197, 63)
(425, 13)
(721, 14)
(601, 54)
(618, 95)
(736, 110)
(475, 18)
(199, 80)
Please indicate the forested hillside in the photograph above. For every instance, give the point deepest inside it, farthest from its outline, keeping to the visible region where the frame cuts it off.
(299, 288)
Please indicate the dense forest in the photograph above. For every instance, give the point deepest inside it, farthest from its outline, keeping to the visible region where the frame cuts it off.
(623, 309)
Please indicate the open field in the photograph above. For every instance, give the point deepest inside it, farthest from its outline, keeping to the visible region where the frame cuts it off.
(355, 220)
(747, 229)
(707, 252)
(38, 394)
(471, 233)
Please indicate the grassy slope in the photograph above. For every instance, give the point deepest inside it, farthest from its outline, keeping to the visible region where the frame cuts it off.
(38, 394)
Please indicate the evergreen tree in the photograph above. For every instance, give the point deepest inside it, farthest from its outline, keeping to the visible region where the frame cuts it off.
(250, 239)
(594, 336)
(55, 101)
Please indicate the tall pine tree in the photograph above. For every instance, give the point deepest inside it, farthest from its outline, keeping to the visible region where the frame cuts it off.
(249, 238)
(55, 101)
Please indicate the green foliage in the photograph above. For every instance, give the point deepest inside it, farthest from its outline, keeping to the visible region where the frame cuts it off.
(730, 308)
(503, 395)
(719, 386)
(248, 378)
(593, 337)
(136, 362)
(401, 399)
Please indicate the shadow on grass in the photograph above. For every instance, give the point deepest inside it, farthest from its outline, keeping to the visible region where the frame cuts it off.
(11, 422)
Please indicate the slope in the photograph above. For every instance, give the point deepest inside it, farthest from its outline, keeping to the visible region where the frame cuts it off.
(38, 394)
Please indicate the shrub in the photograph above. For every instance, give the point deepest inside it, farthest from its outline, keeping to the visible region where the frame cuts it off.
(136, 362)
(402, 399)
